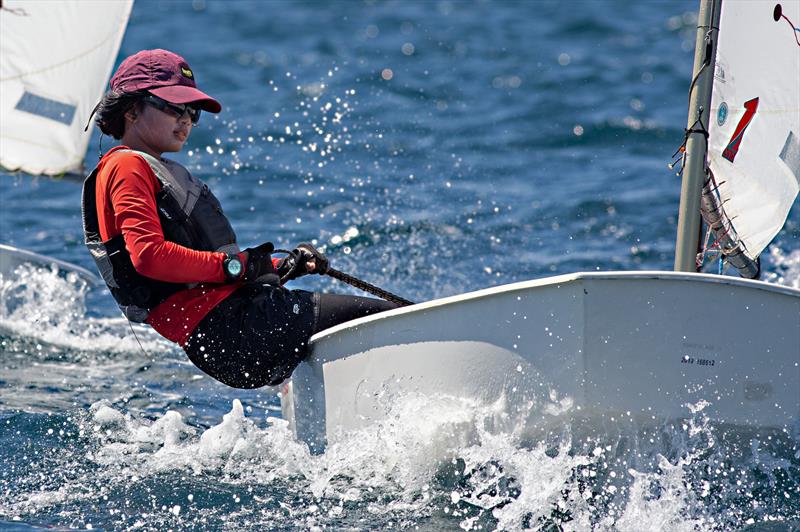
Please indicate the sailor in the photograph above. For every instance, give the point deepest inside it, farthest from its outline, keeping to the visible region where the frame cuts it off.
(170, 256)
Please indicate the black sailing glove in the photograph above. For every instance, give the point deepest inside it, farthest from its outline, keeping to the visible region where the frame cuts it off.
(259, 265)
(309, 253)
(295, 264)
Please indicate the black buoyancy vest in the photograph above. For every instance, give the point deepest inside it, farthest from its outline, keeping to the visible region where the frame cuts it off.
(190, 215)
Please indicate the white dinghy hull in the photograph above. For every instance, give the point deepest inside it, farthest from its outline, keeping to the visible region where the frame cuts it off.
(11, 258)
(591, 345)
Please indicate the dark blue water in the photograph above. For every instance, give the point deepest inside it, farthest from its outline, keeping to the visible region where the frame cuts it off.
(432, 148)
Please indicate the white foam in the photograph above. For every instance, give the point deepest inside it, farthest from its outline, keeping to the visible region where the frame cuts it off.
(430, 454)
(786, 265)
(667, 511)
(49, 306)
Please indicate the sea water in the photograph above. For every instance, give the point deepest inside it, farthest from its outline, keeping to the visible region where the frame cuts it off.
(431, 148)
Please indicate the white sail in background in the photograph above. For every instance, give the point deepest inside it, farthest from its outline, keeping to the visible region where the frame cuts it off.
(55, 59)
(754, 144)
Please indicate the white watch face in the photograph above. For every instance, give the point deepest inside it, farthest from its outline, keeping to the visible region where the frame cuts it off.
(234, 267)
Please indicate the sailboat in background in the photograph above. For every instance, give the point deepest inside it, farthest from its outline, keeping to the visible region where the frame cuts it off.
(597, 347)
(55, 60)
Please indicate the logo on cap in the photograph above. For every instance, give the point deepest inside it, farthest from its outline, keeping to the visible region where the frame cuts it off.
(187, 72)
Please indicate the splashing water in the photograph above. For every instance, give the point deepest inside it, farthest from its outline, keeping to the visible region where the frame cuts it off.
(442, 464)
(786, 266)
(470, 152)
(439, 461)
(47, 306)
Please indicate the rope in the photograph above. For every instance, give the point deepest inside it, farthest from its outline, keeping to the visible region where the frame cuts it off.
(680, 153)
(369, 288)
(778, 14)
(137, 338)
(345, 278)
(18, 10)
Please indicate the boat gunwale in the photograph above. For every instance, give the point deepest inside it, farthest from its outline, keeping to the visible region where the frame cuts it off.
(567, 278)
(44, 261)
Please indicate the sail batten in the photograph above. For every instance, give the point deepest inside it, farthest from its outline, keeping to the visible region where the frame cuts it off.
(754, 129)
(56, 59)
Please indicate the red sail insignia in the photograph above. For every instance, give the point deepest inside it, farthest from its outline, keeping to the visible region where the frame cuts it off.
(732, 149)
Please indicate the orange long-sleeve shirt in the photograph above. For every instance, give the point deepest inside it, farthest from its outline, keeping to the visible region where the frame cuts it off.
(125, 193)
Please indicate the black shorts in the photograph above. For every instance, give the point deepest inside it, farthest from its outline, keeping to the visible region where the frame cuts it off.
(259, 334)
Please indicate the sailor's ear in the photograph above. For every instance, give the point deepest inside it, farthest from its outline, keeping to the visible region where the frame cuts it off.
(132, 114)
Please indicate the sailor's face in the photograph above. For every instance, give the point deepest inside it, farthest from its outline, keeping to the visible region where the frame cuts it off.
(162, 131)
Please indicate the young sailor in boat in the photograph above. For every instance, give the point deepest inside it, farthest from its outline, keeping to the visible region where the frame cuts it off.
(168, 253)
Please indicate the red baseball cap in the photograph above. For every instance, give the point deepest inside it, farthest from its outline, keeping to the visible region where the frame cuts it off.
(163, 74)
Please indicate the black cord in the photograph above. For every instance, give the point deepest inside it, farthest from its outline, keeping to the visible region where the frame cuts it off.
(706, 63)
(369, 288)
(137, 339)
(345, 278)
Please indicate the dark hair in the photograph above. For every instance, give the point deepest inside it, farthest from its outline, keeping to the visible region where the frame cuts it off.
(110, 113)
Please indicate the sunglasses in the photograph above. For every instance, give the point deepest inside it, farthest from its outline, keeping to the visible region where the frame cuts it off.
(174, 109)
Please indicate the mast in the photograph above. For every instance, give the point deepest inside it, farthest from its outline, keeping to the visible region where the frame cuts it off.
(699, 107)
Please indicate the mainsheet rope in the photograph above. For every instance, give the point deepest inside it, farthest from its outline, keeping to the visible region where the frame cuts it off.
(346, 278)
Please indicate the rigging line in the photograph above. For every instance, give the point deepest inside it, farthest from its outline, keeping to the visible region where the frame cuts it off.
(682, 148)
(712, 184)
(137, 339)
(696, 77)
(740, 241)
(701, 257)
(715, 209)
(795, 29)
(728, 228)
(707, 55)
(14, 11)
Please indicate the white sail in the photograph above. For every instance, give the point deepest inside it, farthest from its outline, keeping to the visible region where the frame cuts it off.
(754, 144)
(55, 59)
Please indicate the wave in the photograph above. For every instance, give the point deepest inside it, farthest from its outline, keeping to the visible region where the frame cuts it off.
(434, 461)
(47, 306)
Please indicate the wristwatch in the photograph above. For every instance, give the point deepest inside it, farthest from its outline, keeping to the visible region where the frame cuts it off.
(233, 268)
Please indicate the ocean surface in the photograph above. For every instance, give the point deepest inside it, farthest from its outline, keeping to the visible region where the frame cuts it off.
(432, 148)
